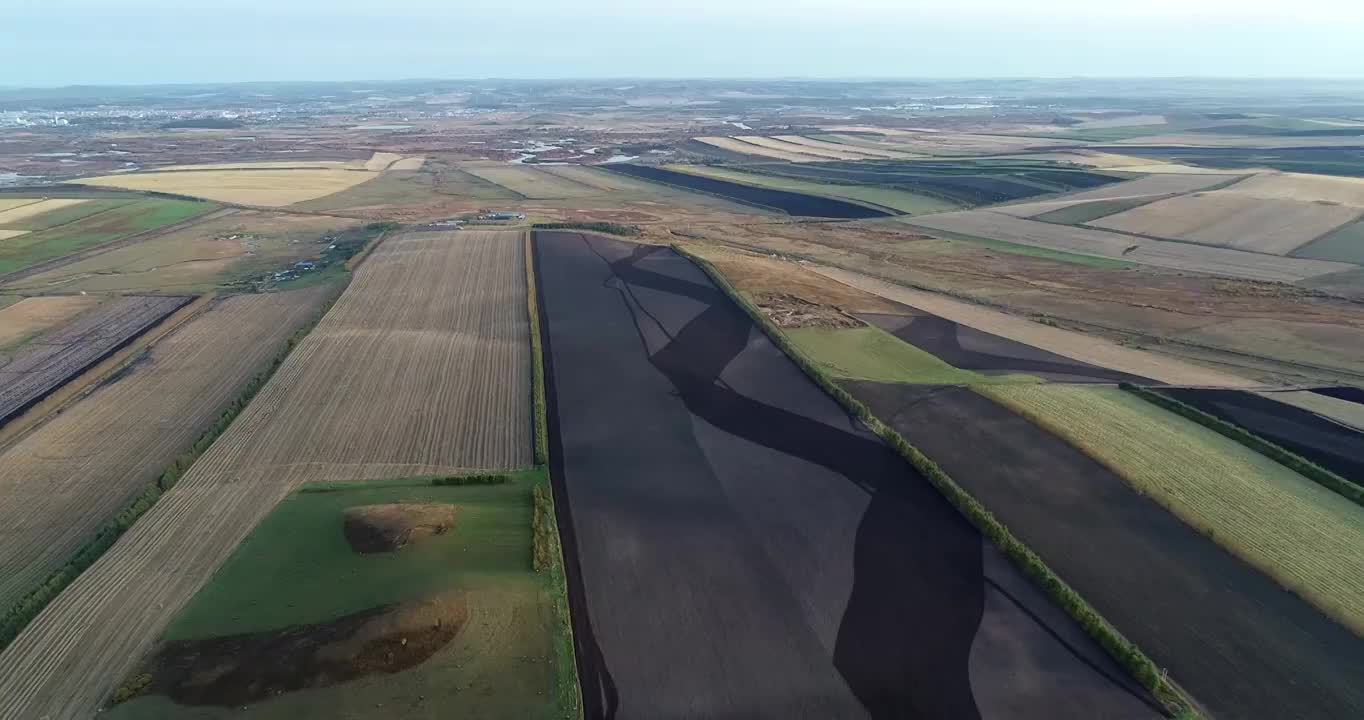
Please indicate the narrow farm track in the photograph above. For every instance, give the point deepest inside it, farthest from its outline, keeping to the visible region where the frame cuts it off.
(64, 480)
(422, 366)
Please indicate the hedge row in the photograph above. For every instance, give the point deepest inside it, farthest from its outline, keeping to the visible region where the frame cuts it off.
(16, 617)
(1288, 459)
(605, 227)
(1126, 653)
(537, 361)
(483, 479)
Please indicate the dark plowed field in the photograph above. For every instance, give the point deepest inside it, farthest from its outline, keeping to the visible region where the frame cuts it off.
(969, 182)
(48, 362)
(738, 547)
(1329, 444)
(1240, 643)
(790, 203)
(971, 349)
(1344, 392)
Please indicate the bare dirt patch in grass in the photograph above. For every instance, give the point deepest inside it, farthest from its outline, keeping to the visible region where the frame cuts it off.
(393, 526)
(36, 314)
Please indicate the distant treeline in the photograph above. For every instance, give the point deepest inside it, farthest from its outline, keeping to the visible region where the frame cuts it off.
(604, 227)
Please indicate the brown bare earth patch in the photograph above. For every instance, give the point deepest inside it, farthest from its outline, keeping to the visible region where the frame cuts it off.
(393, 526)
(766, 276)
(236, 670)
(33, 315)
(790, 311)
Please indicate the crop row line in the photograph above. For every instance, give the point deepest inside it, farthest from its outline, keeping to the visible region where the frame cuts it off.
(1126, 653)
(1297, 463)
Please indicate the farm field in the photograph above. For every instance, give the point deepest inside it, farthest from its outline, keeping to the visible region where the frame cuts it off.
(1345, 244)
(59, 233)
(1338, 409)
(779, 200)
(1149, 188)
(52, 359)
(455, 622)
(1083, 348)
(430, 342)
(29, 316)
(745, 148)
(1329, 444)
(944, 143)
(1279, 522)
(1229, 218)
(529, 182)
(827, 152)
(65, 480)
(1228, 634)
(19, 211)
(846, 150)
(229, 247)
(265, 188)
(689, 452)
(886, 197)
(872, 353)
(1212, 260)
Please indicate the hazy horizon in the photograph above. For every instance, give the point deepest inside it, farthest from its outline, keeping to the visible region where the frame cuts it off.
(137, 42)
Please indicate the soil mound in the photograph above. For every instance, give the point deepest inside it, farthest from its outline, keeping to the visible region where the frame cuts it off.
(390, 527)
(791, 311)
(236, 670)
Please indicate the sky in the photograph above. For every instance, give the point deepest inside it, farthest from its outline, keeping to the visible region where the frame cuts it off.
(62, 42)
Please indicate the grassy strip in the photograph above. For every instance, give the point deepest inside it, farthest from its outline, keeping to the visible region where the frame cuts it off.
(1123, 651)
(1288, 459)
(604, 227)
(537, 362)
(16, 617)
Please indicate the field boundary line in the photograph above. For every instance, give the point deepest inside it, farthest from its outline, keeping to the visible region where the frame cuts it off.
(890, 211)
(17, 617)
(1127, 654)
(736, 201)
(94, 376)
(546, 534)
(1287, 458)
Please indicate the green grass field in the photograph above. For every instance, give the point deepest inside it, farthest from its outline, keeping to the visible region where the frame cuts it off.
(1085, 212)
(1037, 252)
(68, 230)
(296, 568)
(870, 353)
(1302, 534)
(906, 202)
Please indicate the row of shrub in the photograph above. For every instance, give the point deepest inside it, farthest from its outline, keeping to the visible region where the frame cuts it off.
(603, 227)
(1125, 652)
(16, 617)
(537, 361)
(1287, 458)
(476, 479)
(544, 546)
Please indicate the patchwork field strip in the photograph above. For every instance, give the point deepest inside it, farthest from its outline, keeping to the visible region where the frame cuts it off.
(783, 146)
(52, 359)
(65, 479)
(743, 148)
(19, 213)
(256, 187)
(530, 182)
(1279, 522)
(1153, 187)
(856, 152)
(1227, 262)
(739, 546)
(422, 367)
(1230, 635)
(1076, 346)
(33, 315)
(1226, 218)
(791, 203)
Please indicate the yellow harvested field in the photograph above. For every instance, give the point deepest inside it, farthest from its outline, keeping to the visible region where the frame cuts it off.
(1303, 187)
(7, 234)
(11, 203)
(860, 152)
(1295, 530)
(734, 145)
(408, 163)
(1228, 262)
(422, 367)
(786, 147)
(33, 315)
(265, 188)
(1153, 187)
(1229, 218)
(67, 478)
(1067, 343)
(28, 210)
(1341, 411)
(381, 161)
(529, 182)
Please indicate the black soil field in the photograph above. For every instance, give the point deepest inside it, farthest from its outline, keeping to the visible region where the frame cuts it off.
(739, 547)
(971, 182)
(1238, 642)
(791, 203)
(1329, 444)
(1344, 392)
(971, 349)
